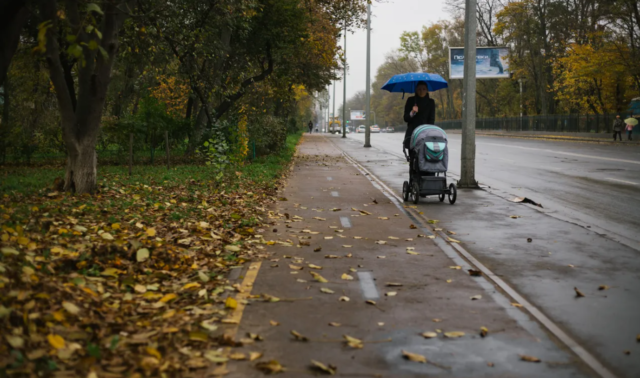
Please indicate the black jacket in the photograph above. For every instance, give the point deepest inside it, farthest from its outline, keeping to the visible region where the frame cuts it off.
(618, 125)
(426, 115)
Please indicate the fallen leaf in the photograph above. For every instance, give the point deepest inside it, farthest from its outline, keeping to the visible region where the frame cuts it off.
(346, 277)
(412, 226)
(318, 277)
(391, 293)
(484, 331)
(142, 254)
(516, 304)
(436, 320)
(270, 367)
(334, 324)
(475, 273)
(457, 267)
(231, 303)
(254, 356)
(383, 218)
(71, 308)
(298, 336)
(524, 357)
(490, 364)
(313, 266)
(476, 297)
(106, 236)
(56, 341)
(414, 357)
(151, 232)
(603, 287)
(343, 299)
(429, 335)
(274, 323)
(331, 257)
(295, 267)
(346, 246)
(393, 284)
(578, 292)
(17, 342)
(370, 302)
(452, 240)
(412, 252)
(327, 290)
(381, 242)
(393, 238)
(449, 280)
(353, 342)
(168, 297)
(238, 356)
(453, 335)
(331, 370)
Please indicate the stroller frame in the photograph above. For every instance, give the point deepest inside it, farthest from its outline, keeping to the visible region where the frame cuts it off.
(423, 184)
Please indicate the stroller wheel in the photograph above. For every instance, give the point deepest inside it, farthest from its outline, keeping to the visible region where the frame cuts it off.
(453, 194)
(415, 193)
(405, 191)
(441, 197)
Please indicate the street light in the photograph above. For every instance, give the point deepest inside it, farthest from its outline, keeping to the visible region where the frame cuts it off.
(367, 132)
(344, 82)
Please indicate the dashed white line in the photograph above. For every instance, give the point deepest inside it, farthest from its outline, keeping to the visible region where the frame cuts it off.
(367, 285)
(335, 194)
(346, 223)
(329, 178)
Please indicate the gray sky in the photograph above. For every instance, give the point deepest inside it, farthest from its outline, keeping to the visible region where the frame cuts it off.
(388, 21)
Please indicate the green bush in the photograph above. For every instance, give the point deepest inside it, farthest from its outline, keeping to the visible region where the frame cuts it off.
(269, 134)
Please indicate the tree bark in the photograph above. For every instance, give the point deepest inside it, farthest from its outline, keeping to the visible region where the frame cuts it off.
(13, 16)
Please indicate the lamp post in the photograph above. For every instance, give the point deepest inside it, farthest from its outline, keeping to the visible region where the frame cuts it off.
(344, 85)
(367, 132)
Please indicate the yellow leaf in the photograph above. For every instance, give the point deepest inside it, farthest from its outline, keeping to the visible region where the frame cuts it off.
(346, 277)
(331, 370)
(298, 336)
(318, 277)
(151, 232)
(414, 357)
(353, 342)
(168, 297)
(429, 335)
(524, 357)
(23, 241)
(71, 308)
(106, 236)
(115, 226)
(190, 285)
(270, 367)
(231, 303)
(313, 266)
(326, 290)
(58, 315)
(254, 356)
(56, 341)
(453, 335)
(142, 254)
(238, 356)
(154, 352)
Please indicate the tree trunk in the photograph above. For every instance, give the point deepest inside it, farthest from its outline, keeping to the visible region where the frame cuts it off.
(13, 17)
(196, 134)
(81, 172)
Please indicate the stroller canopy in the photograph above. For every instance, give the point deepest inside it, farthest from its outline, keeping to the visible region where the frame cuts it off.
(430, 144)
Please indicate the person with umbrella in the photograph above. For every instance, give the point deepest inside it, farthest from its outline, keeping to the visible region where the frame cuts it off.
(418, 110)
(631, 122)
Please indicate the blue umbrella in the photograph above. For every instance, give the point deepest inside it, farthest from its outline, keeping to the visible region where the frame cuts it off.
(406, 83)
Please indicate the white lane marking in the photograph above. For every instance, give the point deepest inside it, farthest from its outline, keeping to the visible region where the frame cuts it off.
(565, 153)
(626, 182)
(329, 178)
(367, 285)
(335, 194)
(346, 223)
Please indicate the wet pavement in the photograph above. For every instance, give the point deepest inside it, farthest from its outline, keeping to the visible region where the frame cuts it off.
(352, 228)
(587, 235)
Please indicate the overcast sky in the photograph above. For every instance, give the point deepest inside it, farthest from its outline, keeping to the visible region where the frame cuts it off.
(388, 21)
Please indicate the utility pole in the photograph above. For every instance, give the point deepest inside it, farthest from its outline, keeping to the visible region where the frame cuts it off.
(367, 129)
(468, 171)
(520, 81)
(334, 102)
(344, 84)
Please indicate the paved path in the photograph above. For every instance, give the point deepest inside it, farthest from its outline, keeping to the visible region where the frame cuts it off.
(577, 241)
(317, 230)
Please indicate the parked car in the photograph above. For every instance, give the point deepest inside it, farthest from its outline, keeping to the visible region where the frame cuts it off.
(390, 130)
(361, 129)
(375, 129)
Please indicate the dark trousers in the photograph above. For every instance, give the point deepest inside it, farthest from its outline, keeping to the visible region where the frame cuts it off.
(629, 134)
(311, 128)
(617, 133)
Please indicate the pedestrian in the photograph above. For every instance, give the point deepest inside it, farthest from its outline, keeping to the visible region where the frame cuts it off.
(310, 127)
(419, 110)
(629, 128)
(618, 125)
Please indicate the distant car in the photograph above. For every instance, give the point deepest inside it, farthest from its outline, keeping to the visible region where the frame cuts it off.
(390, 130)
(361, 129)
(375, 129)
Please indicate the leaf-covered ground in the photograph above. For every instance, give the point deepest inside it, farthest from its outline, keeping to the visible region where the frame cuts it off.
(130, 281)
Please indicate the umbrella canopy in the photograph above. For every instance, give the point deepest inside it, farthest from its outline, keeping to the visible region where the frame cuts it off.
(406, 83)
(631, 121)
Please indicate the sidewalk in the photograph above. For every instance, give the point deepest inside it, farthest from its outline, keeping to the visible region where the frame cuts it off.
(388, 283)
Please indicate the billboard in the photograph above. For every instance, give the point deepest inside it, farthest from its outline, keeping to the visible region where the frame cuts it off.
(491, 63)
(357, 115)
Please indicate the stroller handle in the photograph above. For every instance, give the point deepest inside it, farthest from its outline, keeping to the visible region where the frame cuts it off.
(404, 151)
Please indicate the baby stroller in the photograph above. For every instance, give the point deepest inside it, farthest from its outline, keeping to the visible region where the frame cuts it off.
(428, 162)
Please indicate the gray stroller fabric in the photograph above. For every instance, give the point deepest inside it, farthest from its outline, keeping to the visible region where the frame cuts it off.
(431, 145)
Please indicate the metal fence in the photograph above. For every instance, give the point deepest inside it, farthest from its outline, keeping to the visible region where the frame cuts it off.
(575, 123)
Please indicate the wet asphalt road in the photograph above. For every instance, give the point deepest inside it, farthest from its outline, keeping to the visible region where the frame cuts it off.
(587, 235)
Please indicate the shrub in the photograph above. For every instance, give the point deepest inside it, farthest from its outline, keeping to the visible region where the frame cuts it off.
(269, 134)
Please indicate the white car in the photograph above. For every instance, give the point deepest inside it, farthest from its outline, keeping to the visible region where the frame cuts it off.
(361, 129)
(375, 129)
